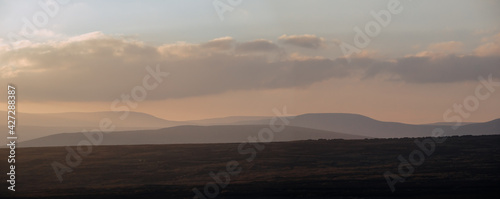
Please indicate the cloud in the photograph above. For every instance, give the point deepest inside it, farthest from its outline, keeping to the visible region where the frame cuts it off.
(303, 41)
(446, 47)
(491, 46)
(299, 57)
(440, 49)
(99, 67)
(437, 69)
(223, 43)
(259, 45)
(183, 50)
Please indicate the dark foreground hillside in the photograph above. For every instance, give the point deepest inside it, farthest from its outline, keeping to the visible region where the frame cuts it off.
(461, 167)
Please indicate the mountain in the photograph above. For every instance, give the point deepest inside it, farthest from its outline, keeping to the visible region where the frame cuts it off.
(91, 119)
(25, 133)
(360, 125)
(486, 128)
(449, 123)
(355, 124)
(35, 125)
(189, 134)
(232, 120)
(365, 126)
(31, 126)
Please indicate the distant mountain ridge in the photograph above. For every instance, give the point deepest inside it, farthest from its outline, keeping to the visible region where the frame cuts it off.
(356, 124)
(34, 125)
(189, 135)
(230, 120)
(361, 125)
(31, 126)
(92, 119)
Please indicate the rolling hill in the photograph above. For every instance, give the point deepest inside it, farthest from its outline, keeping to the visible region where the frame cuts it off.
(189, 134)
(31, 126)
(35, 125)
(361, 125)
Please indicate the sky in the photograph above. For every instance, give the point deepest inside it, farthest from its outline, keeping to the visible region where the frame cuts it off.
(403, 61)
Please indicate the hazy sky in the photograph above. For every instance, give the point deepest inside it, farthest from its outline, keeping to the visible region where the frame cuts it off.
(82, 55)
